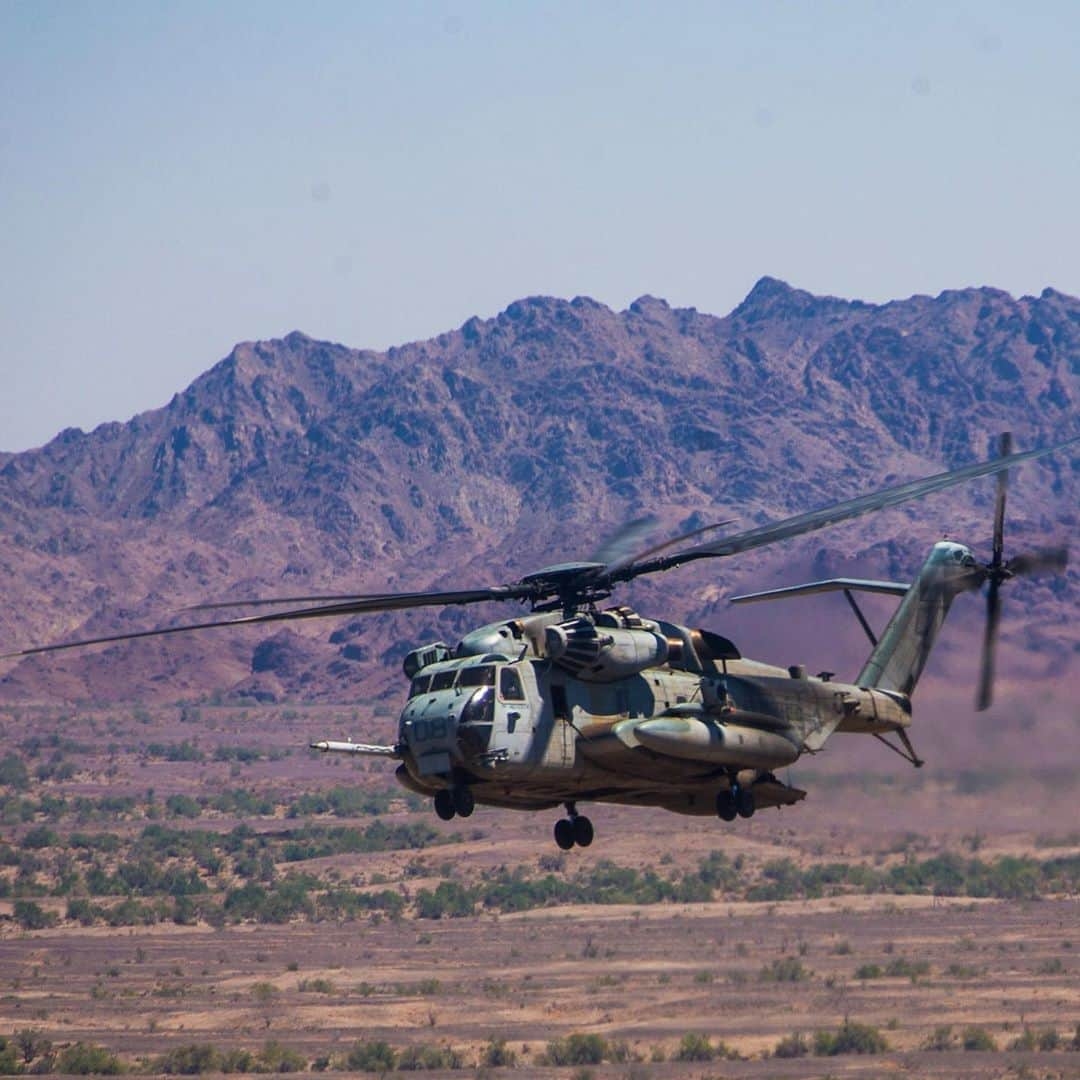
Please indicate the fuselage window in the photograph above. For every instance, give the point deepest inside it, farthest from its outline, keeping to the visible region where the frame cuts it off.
(442, 680)
(419, 685)
(510, 685)
(477, 676)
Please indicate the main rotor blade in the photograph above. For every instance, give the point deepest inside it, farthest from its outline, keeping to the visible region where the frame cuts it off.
(624, 541)
(1035, 562)
(267, 601)
(657, 548)
(985, 697)
(842, 511)
(355, 606)
(999, 503)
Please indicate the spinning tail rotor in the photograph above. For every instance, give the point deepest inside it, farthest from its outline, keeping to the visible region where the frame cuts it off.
(997, 571)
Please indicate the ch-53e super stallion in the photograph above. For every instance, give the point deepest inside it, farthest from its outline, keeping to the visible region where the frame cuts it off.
(574, 702)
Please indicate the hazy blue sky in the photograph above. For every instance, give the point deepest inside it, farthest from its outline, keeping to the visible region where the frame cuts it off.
(176, 177)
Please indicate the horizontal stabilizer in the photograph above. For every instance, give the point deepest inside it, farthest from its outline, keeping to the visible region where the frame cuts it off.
(329, 746)
(893, 588)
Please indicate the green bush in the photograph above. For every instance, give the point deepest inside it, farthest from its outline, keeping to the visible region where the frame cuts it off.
(784, 969)
(576, 1049)
(371, 1057)
(496, 1054)
(449, 898)
(850, 1038)
(942, 1039)
(13, 772)
(792, 1046)
(31, 916)
(977, 1038)
(190, 1060)
(9, 1060)
(275, 1058)
(87, 1059)
(868, 971)
(421, 1057)
(695, 1047)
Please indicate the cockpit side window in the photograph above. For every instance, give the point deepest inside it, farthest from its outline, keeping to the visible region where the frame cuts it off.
(442, 680)
(419, 685)
(510, 685)
(477, 676)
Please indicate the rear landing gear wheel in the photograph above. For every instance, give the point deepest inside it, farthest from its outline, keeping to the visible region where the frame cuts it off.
(725, 806)
(583, 831)
(464, 803)
(564, 833)
(444, 804)
(744, 802)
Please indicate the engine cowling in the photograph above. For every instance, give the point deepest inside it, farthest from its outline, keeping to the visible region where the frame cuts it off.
(603, 654)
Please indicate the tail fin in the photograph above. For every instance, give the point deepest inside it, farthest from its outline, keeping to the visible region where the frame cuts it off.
(899, 657)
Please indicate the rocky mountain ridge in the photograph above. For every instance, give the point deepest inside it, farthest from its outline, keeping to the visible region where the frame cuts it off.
(300, 466)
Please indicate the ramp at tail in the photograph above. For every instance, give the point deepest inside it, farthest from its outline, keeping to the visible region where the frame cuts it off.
(899, 657)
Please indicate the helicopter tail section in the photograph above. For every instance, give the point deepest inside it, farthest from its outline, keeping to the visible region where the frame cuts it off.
(900, 655)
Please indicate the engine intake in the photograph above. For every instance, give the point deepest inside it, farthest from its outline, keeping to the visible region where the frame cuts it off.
(603, 655)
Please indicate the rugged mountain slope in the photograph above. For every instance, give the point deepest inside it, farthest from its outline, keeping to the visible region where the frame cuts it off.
(299, 466)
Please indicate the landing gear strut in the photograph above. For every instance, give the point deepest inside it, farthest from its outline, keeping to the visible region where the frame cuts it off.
(736, 802)
(453, 801)
(573, 829)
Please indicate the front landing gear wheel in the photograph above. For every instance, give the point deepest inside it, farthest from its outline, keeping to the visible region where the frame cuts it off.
(564, 833)
(744, 802)
(583, 831)
(464, 803)
(725, 806)
(444, 804)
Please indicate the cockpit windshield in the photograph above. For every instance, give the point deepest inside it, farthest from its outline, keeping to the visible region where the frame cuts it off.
(467, 678)
(483, 675)
(442, 680)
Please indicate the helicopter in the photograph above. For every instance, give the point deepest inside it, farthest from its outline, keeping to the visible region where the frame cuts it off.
(575, 702)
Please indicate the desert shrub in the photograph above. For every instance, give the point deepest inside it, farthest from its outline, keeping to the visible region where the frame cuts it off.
(784, 969)
(1027, 1041)
(182, 806)
(189, 1060)
(237, 1061)
(841, 948)
(961, 971)
(31, 1044)
(1053, 966)
(496, 1054)
(449, 898)
(694, 1047)
(421, 1057)
(31, 916)
(903, 968)
(977, 1038)
(13, 772)
(376, 1056)
(941, 1039)
(9, 1059)
(1049, 1040)
(850, 1038)
(88, 1059)
(275, 1058)
(315, 986)
(576, 1049)
(792, 1046)
(40, 837)
(868, 971)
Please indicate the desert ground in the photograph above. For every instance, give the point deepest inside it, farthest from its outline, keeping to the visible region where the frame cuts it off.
(188, 877)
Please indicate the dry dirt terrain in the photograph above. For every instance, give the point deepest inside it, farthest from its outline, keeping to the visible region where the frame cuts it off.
(908, 903)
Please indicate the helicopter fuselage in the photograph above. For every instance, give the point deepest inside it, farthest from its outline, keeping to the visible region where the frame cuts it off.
(609, 707)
